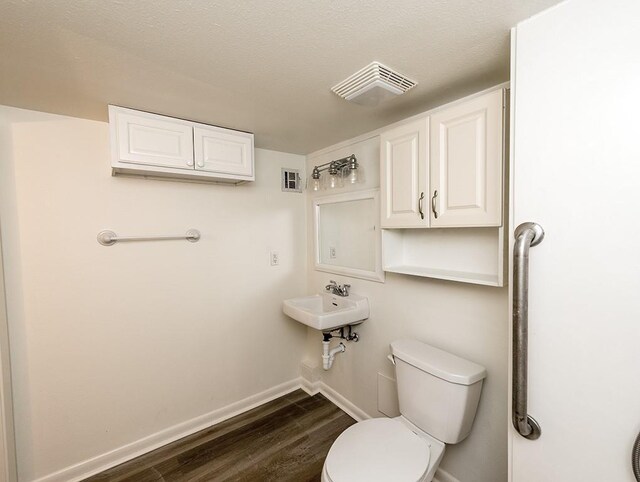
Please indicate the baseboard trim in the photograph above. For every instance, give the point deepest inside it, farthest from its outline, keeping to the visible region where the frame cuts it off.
(311, 388)
(95, 465)
(442, 476)
(345, 405)
(127, 452)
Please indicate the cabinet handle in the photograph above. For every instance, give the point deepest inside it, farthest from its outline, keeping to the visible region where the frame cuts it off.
(189, 163)
(433, 204)
(420, 205)
(201, 164)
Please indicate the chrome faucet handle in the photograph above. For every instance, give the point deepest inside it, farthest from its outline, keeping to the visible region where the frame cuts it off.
(345, 289)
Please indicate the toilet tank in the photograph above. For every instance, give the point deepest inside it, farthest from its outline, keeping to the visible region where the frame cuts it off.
(438, 391)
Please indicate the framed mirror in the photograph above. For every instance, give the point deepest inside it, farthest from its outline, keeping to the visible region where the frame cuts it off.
(347, 236)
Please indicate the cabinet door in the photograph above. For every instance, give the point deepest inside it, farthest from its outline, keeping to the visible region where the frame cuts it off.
(223, 151)
(466, 163)
(150, 139)
(403, 177)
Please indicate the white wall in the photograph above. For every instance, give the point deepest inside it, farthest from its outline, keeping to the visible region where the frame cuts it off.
(112, 344)
(467, 320)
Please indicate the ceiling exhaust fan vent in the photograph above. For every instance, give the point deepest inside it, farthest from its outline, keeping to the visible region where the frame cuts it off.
(373, 84)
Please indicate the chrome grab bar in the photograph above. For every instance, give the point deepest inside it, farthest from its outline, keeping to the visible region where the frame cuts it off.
(526, 235)
(109, 238)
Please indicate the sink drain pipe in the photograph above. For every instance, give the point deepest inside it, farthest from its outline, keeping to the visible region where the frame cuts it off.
(328, 355)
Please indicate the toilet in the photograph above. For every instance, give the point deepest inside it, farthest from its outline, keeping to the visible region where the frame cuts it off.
(438, 394)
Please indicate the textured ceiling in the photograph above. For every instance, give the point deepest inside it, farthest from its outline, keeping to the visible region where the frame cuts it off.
(255, 65)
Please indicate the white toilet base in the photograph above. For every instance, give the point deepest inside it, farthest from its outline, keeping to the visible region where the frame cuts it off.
(436, 450)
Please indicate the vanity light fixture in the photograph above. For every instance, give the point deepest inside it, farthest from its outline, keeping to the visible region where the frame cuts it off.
(338, 171)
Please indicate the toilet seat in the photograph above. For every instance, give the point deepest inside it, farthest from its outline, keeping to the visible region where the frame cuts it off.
(378, 450)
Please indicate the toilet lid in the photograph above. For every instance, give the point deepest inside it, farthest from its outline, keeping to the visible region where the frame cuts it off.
(379, 449)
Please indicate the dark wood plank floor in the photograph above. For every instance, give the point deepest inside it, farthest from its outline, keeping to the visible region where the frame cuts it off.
(283, 440)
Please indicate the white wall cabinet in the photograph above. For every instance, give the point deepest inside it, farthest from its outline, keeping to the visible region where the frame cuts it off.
(466, 163)
(218, 150)
(152, 145)
(445, 170)
(152, 140)
(404, 152)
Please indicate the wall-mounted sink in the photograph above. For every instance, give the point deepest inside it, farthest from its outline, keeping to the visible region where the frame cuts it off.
(326, 311)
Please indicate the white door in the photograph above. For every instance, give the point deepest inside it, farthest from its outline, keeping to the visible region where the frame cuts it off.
(151, 139)
(224, 151)
(466, 163)
(576, 172)
(404, 175)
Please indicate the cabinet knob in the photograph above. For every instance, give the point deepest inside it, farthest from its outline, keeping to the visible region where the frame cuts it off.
(189, 163)
(201, 164)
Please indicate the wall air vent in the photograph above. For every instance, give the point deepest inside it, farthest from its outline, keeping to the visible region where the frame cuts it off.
(373, 84)
(290, 180)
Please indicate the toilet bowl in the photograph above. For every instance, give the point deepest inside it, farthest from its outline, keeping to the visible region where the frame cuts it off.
(438, 395)
(383, 450)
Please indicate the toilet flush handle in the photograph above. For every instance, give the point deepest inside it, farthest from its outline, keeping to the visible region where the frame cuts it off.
(391, 359)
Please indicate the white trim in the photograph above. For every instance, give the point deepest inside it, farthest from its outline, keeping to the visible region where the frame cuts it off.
(8, 462)
(342, 403)
(311, 388)
(127, 452)
(377, 274)
(376, 132)
(334, 397)
(442, 476)
(508, 240)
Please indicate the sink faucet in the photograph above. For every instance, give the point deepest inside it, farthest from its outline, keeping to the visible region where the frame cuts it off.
(336, 289)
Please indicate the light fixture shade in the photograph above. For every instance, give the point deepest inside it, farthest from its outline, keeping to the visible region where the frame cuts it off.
(315, 184)
(352, 178)
(334, 181)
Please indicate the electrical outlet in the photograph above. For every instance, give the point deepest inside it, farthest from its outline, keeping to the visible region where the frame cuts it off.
(332, 252)
(275, 258)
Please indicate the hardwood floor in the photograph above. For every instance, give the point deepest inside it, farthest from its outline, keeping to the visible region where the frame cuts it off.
(286, 439)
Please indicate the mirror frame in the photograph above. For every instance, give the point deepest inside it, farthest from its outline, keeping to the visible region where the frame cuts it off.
(375, 275)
